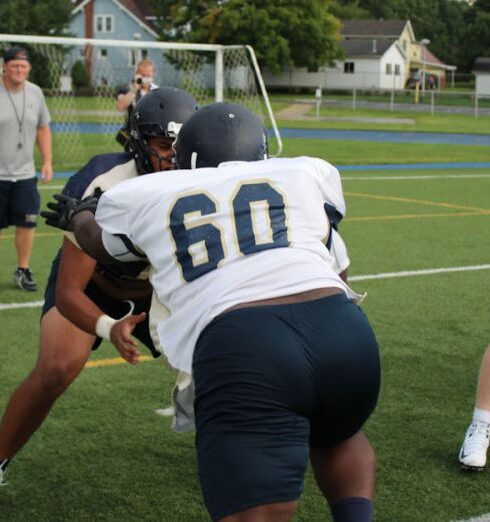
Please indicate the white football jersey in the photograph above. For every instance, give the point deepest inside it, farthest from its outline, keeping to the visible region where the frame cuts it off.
(216, 237)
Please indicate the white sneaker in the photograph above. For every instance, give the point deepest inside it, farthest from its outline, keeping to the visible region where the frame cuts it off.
(166, 412)
(473, 453)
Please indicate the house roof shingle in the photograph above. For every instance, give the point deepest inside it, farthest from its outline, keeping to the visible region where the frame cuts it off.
(365, 47)
(373, 28)
(139, 8)
(482, 64)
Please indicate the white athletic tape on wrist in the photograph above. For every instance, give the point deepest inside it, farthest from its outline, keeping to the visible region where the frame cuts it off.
(103, 326)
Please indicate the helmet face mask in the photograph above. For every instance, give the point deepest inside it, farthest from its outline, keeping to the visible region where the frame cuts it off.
(218, 133)
(158, 114)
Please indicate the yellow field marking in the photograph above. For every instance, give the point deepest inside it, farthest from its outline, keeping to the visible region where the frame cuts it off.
(113, 361)
(418, 201)
(417, 216)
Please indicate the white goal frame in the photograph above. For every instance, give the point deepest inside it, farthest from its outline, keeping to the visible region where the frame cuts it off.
(219, 90)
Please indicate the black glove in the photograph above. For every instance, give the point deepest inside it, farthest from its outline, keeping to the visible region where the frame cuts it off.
(66, 207)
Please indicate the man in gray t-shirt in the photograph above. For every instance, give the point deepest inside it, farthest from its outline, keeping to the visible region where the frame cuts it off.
(24, 120)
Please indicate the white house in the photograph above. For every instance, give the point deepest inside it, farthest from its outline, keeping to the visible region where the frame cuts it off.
(368, 64)
(481, 70)
(378, 54)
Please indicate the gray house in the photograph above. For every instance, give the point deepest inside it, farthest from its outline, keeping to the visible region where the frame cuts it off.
(481, 70)
(113, 20)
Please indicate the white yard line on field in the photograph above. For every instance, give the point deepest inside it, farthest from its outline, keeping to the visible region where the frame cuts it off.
(381, 178)
(481, 518)
(50, 187)
(411, 273)
(385, 275)
(12, 306)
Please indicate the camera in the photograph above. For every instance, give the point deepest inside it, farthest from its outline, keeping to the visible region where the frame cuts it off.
(142, 80)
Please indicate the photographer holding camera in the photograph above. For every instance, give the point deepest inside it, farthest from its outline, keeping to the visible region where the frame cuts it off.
(127, 97)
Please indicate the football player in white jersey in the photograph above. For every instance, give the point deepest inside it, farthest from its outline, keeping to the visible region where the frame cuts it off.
(284, 362)
(74, 299)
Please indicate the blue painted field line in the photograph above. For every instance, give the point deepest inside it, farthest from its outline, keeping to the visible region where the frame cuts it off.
(324, 134)
(389, 136)
(419, 166)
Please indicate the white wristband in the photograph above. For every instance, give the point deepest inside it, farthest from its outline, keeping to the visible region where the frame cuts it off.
(103, 326)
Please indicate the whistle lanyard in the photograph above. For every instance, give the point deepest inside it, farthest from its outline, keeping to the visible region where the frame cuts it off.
(20, 119)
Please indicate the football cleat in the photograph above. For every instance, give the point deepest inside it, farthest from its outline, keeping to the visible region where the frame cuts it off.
(473, 453)
(24, 279)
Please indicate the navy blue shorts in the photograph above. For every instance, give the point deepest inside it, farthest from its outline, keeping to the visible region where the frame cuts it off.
(19, 203)
(110, 306)
(271, 381)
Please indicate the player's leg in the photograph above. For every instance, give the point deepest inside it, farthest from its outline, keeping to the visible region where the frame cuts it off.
(5, 191)
(473, 453)
(63, 351)
(346, 475)
(276, 512)
(347, 374)
(252, 444)
(25, 204)
(483, 390)
(24, 240)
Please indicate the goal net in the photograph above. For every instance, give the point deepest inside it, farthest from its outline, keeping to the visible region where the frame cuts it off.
(80, 79)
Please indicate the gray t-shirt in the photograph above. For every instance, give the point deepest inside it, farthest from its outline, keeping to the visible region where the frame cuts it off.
(18, 163)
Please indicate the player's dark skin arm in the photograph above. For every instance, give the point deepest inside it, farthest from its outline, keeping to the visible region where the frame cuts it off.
(89, 236)
(71, 300)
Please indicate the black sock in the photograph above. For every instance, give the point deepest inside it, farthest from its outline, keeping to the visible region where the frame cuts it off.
(352, 509)
(4, 463)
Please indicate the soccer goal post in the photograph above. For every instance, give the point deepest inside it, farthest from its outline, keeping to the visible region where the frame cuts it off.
(80, 78)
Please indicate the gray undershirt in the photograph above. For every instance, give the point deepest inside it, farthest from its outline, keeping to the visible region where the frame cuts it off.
(18, 163)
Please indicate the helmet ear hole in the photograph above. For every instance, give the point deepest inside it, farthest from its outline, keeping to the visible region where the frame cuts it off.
(160, 113)
(218, 133)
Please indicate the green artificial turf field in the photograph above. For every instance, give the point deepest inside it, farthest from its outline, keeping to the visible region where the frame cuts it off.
(103, 455)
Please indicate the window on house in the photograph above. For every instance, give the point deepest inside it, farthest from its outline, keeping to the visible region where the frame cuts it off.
(397, 69)
(104, 23)
(404, 45)
(136, 55)
(103, 54)
(133, 57)
(388, 69)
(349, 67)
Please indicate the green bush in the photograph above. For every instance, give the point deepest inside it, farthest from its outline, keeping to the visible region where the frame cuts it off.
(80, 76)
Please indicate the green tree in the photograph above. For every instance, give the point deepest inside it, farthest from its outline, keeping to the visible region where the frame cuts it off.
(283, 33)
(348, 10)
(45, 18)
(79, 75)
(477, 33)
(49, 17)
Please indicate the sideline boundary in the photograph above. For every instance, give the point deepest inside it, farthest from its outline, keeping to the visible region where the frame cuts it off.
(366, 277)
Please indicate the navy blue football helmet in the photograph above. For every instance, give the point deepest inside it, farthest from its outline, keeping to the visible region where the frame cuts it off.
(220, 132)
(160, 113)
